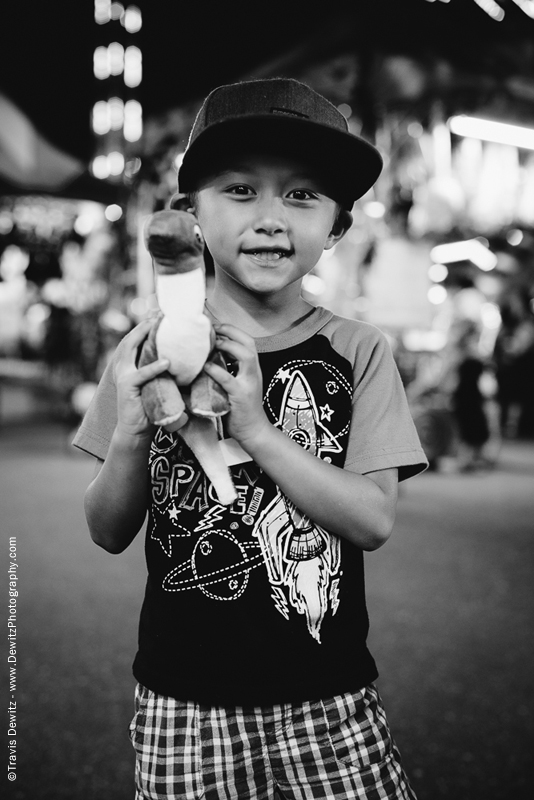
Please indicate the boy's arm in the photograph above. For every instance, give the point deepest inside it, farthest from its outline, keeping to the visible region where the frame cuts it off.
(116, 500)
(361, 508)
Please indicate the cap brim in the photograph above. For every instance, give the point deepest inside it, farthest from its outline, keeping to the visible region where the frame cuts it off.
(349, 165)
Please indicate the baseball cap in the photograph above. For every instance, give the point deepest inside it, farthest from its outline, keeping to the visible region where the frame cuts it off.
(285, 117)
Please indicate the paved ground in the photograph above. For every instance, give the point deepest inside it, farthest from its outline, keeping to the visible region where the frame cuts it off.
(450, 599)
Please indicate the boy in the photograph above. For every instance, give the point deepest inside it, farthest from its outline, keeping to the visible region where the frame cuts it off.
(253, 673)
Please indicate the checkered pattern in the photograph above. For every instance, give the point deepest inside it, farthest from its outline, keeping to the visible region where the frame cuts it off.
(339, 748)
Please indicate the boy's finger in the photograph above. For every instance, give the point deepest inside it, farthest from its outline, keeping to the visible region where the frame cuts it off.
(235, 334)
(137, 334)
(220, 375)
(149, 371)
(239, 351)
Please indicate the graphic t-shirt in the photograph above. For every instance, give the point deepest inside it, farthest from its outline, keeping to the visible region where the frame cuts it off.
(254, 603)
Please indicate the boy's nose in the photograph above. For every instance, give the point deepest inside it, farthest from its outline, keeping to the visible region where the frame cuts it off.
(270, 217)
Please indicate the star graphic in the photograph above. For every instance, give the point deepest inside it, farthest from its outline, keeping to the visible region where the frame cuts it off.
(283, 374)
(326, 412)
(163, 535)
(173, 513)
(164, 441)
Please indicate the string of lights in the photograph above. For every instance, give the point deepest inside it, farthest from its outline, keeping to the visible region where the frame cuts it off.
(117, 118)
(496, 11)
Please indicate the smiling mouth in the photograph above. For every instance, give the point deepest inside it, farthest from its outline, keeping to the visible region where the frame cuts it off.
(269, 256)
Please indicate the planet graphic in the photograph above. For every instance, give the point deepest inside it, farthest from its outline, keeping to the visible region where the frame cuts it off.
(219, 566)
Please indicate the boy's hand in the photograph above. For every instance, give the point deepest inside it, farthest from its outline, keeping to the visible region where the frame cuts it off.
(247, 419)
(132, 420)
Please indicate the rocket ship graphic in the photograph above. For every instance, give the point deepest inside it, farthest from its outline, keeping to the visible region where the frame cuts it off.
(302, 559)
(299, 418)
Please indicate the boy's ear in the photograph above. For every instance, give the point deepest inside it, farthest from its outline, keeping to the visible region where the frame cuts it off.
(342, 223)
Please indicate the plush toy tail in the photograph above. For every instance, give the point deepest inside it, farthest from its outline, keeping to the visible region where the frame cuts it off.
(201, 437)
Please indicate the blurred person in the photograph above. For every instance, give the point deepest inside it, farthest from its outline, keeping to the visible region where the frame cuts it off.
(514, 366)
(452, 401)
(13, 298)
(468, 401)
(253, 671)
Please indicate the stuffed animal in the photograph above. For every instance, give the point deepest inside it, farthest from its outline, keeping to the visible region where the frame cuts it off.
(184, 398)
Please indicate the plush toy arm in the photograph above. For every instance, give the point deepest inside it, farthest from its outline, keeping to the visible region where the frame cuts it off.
(161, 398)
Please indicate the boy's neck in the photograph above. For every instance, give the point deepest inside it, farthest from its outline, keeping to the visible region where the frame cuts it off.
(258, 315)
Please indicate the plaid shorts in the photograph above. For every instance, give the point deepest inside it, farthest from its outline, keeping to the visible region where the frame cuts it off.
(337, 748)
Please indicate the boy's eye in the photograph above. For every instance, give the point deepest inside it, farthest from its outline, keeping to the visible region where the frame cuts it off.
(239, 188)
(302, 194)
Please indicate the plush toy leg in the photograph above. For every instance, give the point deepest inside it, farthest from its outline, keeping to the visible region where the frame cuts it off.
(207, 397)
(161, 398)
(201, 437)
(163, 403)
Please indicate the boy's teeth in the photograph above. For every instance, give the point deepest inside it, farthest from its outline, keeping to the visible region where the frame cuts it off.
(269, 255)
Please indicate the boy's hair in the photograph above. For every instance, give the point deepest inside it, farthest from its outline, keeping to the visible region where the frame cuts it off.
(280, 116)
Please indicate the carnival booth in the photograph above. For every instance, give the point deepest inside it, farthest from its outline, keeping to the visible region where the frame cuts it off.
(62, 281)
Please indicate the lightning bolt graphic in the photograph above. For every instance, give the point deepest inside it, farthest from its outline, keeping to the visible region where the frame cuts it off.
(211, 516)
(334, 595)
(280, 602)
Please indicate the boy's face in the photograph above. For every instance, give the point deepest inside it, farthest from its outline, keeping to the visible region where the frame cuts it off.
(266, 221)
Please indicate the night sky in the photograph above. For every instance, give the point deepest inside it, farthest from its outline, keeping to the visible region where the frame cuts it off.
(46, 47)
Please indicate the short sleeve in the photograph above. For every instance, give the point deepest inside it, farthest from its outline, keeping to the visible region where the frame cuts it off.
(95, 432)
(382, 432)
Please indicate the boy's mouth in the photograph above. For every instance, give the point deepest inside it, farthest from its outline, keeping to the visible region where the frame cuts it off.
(267, 254)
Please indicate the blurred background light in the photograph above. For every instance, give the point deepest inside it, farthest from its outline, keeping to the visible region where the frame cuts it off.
(116, 58)
(133, 121)
(102, 11)
(492, 9)
(468, 250)
(100, 167)
(437, 294)
(415, 130)
(345, 109)
(375, 209)
(115, 163)
(514, 237)
(491, 316)
(101, 118)
(116, 10)
(490, 131)
(133, 66)
(437, 272)
(423, 340)
(101, 63)
(6, 223)
(113, 212)
(139, 307)
(527, 6)
(132, 19)
(83, 224)
(313, 284)
(116, 113)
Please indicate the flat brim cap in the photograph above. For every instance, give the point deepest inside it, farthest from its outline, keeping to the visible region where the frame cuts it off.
(284, 117)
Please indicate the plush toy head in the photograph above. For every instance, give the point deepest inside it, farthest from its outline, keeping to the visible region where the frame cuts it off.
(175, 242)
